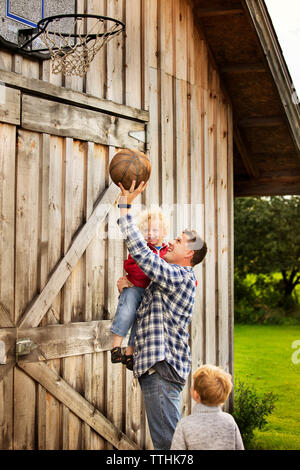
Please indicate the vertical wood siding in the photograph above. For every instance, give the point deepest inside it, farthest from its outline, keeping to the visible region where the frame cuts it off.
(49, 185)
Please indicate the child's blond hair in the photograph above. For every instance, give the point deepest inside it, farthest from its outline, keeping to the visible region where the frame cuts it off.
(212, 384)
(152, 214)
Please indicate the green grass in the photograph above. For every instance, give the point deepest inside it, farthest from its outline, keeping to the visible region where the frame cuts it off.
(263, 358)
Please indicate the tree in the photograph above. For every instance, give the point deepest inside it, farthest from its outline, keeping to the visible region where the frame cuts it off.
(267, 238)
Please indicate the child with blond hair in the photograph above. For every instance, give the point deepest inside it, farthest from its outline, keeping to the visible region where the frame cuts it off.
(154, 226)
(208, 427)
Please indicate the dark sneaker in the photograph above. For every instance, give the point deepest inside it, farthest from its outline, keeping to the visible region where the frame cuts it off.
(128, 361)
(116, 355)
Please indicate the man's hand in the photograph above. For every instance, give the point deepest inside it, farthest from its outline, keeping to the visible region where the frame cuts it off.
(122, 283)
(127, 196)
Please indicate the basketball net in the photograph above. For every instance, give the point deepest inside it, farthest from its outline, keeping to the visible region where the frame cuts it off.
(73, 51)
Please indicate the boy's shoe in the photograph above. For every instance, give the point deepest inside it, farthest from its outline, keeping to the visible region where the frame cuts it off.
(116, 355)
(128, 361)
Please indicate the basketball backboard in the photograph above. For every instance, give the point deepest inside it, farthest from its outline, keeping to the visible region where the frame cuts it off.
(22, 14)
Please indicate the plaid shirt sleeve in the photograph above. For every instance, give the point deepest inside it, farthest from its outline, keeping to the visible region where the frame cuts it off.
(169, 276)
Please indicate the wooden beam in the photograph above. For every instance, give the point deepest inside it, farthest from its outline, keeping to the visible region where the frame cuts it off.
(63, 392)
(65, 120)
(251, 170)
(266, 121)
(243, 68)
(66, 95)
(217, 11)
(44, 300)
(71, 339)
(9, 105)
(279, 186)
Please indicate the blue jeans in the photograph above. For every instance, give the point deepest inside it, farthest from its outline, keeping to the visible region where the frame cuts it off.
(163, 407)
(125, 317)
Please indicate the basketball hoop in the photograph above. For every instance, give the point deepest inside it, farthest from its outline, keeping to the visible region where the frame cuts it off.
(71, 51)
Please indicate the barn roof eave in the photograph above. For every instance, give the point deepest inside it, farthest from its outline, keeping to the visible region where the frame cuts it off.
(266, 112)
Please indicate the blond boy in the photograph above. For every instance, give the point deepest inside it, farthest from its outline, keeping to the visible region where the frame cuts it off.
(208, 427)
(154, 227)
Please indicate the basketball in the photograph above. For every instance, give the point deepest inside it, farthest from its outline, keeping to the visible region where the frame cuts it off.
(128, 165)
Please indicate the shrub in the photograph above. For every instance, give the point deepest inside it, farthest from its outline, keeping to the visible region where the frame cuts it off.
(250, 410)
(257, 300)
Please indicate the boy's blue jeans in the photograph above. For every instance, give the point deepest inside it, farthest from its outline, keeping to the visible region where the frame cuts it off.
(125, 317)
(163, 407)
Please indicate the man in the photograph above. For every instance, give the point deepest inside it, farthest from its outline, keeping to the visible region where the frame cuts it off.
(161, 352)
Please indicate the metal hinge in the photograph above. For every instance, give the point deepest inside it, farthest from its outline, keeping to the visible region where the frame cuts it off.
(24, 346)
(138, 135)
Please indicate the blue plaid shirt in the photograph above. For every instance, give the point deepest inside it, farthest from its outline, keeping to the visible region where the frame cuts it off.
(165, 310)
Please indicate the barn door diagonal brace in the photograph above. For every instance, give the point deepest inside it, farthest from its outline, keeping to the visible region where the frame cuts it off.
(82, 408)
(44, 300)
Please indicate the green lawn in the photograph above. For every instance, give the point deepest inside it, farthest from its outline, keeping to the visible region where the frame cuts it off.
(263, 358)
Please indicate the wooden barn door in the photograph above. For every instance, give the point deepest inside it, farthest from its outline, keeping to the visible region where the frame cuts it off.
(58, 269)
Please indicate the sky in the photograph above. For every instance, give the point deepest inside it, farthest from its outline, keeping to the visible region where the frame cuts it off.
(285, 15)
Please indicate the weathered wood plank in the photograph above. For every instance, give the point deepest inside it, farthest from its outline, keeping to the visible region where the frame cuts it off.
(88, 263)
(6, 411)
(76, 98)
(24, 411)
(152, 193)
(78, 405)
(96, 75)
(167, 139)
(180, 38)
(115, 56)
(150, 46)
(7, 222)
(5, 320)
(223, 234)
(230, 197)
(133, 70)
(166, 36)
(210, 230)
(9, 104)
(27, 273)
(182, 177)
(67, 287)
(115, 258)
(5, 60)
(71, 339)
(95, 269)
(44, 300)
(197, 222)
(27, 220)
(71, 121)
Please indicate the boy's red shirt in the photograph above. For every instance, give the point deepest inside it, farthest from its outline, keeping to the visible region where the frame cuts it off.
(135, 274)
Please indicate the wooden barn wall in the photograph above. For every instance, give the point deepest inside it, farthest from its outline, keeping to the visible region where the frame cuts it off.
(49, 185)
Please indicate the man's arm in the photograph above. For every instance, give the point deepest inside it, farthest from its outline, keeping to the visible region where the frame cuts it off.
(169, 276)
